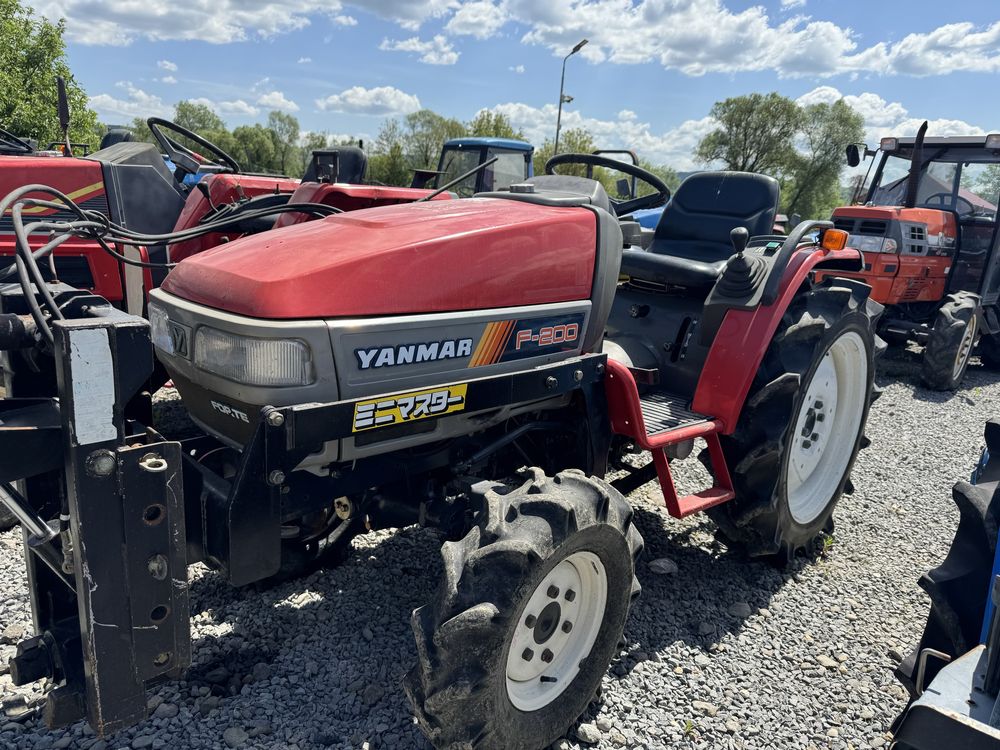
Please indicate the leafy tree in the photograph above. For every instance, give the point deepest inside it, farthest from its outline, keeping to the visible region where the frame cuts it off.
(812, 184)
(32, 54)
(425, 133)
(756, 133)
(988, 184)
(387, 164)
(665, 173)
(255, 148)
(197, 117)
(572, 141)
(488, 124)
(285, 132)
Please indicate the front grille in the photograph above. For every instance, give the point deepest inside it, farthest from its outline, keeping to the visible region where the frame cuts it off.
(917, 233)
(871, 227)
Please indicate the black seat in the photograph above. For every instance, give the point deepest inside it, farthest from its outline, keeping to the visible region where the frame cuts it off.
(692, 244)
(342, 164)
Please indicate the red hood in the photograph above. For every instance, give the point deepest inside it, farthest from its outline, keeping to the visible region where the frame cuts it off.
(413, 258)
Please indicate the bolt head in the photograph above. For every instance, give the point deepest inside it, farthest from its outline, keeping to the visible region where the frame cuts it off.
(276, 478)
(821, 417)
(570, 595)
(551, 382)
(818, 404)
(527, 654)
(101, 463)
(567, 626)
(158, 567)
(529, 621)
(275, 419)
(553, 592)
(807, 444)
(547, 656)
(814, 437)
(599, 369)
(577, 375)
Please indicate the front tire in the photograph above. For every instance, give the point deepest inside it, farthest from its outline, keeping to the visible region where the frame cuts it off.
(803, 421)
(951, 341)
(528, 616)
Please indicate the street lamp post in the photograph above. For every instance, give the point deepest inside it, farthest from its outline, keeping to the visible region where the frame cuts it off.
(562, 97)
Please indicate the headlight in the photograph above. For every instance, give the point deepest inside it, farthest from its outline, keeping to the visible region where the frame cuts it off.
(168, 336)
(263, 362)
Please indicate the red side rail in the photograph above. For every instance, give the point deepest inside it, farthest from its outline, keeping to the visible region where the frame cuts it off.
(626, 419)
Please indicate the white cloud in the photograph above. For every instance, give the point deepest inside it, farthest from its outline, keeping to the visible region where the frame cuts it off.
(436, 51)
(137, 103)
(793, 3)
(673, 147)
(218, 22)
(167, 65)
(304, 60)
(519, 69)
(480, 19)
(380, 101)
(237, 107)
(277, 100)
(345, 20)
(168, 79)
(884, 118)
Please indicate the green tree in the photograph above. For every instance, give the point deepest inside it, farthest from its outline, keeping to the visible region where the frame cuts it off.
(812, 183)
(387, 164)
(572, 141)
(32, 54)
(488, 124)
(254, 148)
(285, 132)
(425, 133)
(665, 173)
(756, 133)
(988, 184)
(197, 117)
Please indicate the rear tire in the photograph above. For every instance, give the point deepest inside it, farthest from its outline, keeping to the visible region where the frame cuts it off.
(497, 665)
(803, 421)
(951, 341)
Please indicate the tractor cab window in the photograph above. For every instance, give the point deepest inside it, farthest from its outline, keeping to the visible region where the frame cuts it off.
(969, 188)
(457, 161)
(507, 170)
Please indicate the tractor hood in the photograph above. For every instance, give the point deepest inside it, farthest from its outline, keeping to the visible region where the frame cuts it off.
(416, 258)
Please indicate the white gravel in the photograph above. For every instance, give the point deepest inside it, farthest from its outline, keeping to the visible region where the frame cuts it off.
(722, 653)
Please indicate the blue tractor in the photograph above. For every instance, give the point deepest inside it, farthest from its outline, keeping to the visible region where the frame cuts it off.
(953, 675)
(460, 155)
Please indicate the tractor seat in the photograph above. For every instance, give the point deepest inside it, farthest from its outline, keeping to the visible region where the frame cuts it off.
(341, 164)
(692, 241)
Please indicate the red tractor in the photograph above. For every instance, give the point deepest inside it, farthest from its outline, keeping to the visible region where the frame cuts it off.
(927, 226)
(475, 366)
(184, 194)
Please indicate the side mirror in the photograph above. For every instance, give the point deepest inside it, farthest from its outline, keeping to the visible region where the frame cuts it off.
(853, 155)
(624, 188)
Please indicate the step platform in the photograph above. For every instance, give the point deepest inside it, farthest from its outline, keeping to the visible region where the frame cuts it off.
(657, 420)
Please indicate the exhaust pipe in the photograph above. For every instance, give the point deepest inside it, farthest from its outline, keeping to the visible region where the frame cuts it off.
(916, 164)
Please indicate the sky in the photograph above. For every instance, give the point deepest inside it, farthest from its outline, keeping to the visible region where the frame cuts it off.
(646, 80)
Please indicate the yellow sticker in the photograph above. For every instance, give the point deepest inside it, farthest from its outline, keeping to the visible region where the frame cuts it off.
(408, 407)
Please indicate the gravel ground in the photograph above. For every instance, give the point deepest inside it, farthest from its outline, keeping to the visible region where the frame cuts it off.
(722, 653)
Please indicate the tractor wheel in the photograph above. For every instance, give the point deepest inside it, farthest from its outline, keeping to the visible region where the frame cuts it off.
(528, 616)
(803, 422)
(7, 520)
(989, 351)
(951, 341)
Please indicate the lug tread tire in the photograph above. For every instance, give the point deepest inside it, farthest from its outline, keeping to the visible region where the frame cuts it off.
(7, 520)
(950, 324)
(458, 687)
(755, 452)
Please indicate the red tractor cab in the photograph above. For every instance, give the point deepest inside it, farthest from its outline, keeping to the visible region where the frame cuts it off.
(927, 226)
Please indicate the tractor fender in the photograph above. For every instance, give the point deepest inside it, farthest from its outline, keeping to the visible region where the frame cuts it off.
(744, 336)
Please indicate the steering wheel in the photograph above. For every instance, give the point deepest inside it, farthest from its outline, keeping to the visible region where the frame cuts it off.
(621, 208)
(954, 199)
(186, 159)
(11, 140)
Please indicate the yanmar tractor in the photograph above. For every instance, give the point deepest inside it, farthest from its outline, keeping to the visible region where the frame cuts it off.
(928, 229)
(474, 366)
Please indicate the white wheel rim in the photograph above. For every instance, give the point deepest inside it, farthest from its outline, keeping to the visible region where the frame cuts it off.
(826, 428)
(965, 349)
(556, 631)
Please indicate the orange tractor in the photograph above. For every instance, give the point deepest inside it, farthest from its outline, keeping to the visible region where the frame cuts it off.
(927, 226)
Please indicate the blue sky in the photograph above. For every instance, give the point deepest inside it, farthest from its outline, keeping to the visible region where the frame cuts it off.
(647, 80)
